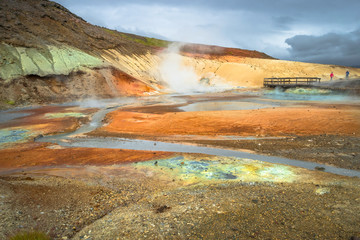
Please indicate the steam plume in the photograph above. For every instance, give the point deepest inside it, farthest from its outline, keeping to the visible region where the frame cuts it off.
(182, 78)
(179, 78)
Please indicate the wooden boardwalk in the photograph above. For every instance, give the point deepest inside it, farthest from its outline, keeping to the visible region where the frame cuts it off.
(289, 82)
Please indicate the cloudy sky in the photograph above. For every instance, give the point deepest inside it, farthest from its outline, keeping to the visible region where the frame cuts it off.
(323, 31)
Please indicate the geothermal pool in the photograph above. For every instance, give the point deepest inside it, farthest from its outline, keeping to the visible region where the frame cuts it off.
(78, 139)
(195, 103)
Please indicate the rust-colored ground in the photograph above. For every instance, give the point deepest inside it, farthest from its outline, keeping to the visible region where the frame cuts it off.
(67, 201)
(37, 121)
(33, 154)
(264, 122)
(128, 85)
(38, 154)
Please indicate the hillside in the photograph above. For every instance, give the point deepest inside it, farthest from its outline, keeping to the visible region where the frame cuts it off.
(48, 54)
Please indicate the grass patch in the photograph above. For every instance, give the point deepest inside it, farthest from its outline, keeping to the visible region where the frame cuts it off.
(147, 41)
(34, 235)
(10, 102)
(152, 42)
(111, 32)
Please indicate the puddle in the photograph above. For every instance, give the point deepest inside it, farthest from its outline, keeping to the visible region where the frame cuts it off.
(12, 135)
(223, 106)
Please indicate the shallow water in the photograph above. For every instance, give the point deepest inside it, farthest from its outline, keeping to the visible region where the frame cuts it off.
(309, 94)
(8, 116)
(136, 144)
(12, 135)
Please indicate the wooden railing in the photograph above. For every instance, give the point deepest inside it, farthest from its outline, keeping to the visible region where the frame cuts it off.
(290, 81)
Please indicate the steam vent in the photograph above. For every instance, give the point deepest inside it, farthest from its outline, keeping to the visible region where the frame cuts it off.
(108, 134)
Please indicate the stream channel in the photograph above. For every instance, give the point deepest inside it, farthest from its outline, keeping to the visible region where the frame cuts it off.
(77, 139)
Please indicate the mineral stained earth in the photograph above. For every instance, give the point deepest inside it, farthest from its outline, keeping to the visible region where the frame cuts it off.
(101, 193)
(68, 87)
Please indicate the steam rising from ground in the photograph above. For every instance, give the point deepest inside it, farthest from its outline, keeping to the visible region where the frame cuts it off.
(310, 94)
(104, 103)
(181, 78)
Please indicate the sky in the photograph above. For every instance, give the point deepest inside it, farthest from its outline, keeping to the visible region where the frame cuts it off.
(318, 31)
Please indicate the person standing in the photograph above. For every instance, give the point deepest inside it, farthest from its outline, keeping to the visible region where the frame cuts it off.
(347, 74)
(331, 76)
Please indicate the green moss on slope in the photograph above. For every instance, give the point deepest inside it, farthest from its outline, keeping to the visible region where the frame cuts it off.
(51, 60)
(146, 41)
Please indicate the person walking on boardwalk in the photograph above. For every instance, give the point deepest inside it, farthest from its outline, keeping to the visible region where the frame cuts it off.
(331, 75)
(347, 74)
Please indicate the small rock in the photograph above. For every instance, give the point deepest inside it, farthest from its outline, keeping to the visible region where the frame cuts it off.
(319, 168)
(162, 209)
(322, 191)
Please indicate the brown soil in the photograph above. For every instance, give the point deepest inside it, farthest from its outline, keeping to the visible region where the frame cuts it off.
(101, 83)
(59, 206)
(236, 211)
(104, 206)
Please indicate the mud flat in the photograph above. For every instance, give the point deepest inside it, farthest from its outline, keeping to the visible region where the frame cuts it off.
(95, 191)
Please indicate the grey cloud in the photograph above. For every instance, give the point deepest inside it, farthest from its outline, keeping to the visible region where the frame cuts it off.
(326, 9)
(283, 22)
(262, 25)
(331, 48)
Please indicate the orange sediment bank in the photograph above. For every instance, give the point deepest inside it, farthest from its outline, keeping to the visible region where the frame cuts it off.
(50, 120)
(261, 122)
(44, 154)
(128, 85)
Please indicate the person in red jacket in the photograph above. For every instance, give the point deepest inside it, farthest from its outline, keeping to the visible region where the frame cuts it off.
(331, 75)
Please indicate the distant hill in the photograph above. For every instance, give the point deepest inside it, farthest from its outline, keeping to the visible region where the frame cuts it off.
(34, 23)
